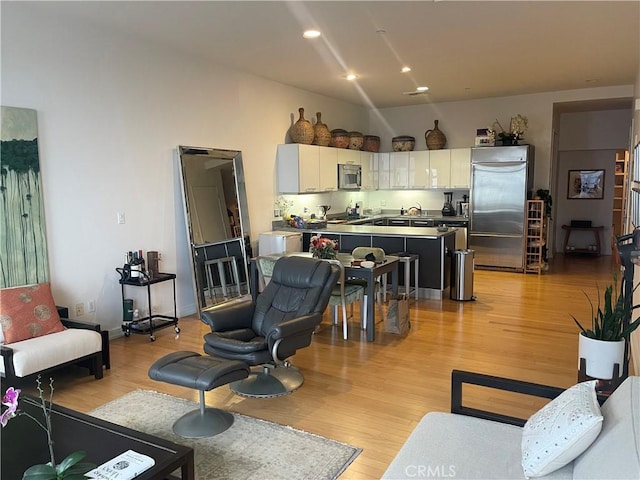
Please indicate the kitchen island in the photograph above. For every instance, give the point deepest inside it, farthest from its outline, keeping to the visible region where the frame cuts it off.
(432, 246)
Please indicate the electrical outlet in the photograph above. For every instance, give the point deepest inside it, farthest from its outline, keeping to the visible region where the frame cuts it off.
(159, 256)
(383, 203)
(79, 309)
(306, 209)
(91, 306)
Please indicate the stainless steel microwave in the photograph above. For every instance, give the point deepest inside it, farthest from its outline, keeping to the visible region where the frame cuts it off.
(349, 177)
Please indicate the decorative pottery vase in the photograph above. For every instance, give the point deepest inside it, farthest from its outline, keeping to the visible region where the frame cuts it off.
(356, 140)
(600, 356)
(322, 135)
(371, 143)
(436, 140)
(403, 143)
(302, 130)
(339, 138)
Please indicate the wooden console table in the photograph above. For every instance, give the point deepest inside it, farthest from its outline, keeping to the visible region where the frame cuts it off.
(596, 233)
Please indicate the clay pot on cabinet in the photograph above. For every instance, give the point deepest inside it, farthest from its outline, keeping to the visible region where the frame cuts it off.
(371, 143)
(403, 143)
(339, 138)
(302, 131)
(436, 140)
(356, 140)
(322, 135)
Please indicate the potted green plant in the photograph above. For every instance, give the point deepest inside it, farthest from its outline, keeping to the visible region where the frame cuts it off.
(603, 345)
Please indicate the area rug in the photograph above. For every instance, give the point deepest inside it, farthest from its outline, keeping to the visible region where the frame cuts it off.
(250, 449)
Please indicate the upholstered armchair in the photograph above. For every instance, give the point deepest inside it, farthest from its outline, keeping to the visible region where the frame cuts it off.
(281, 321)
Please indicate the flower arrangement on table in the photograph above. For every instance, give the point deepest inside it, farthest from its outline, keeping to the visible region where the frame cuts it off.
(323, 247)
(517, 127)
(69, 468)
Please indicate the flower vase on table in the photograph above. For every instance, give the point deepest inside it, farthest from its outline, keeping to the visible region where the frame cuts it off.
(322, 247)
(71, 467)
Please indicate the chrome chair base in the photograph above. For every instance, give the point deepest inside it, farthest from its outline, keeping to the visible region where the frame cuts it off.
(269, 382)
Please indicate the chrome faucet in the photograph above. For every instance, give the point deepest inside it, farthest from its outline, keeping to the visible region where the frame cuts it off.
(418, 208)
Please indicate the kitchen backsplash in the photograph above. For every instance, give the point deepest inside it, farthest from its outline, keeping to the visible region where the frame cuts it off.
(378, 201)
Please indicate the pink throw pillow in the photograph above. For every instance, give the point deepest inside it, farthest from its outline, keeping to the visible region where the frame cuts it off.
(28, 312)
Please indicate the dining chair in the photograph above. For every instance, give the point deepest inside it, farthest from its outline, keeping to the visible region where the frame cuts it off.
(343, 294)
(265, 266)
(360, 253)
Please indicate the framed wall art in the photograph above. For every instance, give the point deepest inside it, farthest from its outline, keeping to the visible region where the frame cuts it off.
(585, 184)
(23, 241)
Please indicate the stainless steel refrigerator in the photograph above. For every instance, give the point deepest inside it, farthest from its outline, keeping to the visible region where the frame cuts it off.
(500, 180)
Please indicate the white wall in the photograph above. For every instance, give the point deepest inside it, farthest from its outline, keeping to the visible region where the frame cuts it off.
(460, 120)
(588, 141)
(111, 111)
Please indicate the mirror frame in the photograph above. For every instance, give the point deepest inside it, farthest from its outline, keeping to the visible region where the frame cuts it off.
(235, 156)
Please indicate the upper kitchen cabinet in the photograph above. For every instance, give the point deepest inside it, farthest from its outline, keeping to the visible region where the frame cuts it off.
(369, 163)
(440, 168)
(398, 170)
(419, 169)
(450, 168)
(384, 180)
(460, 168)
(328, 158)
(347, 156)
(306, 168)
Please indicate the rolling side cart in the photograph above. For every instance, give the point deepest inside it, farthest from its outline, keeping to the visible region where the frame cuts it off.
(151, 322)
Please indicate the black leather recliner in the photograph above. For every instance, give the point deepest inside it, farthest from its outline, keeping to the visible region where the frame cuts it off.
(267, 332)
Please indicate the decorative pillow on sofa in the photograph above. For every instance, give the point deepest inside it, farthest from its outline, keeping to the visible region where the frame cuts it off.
(28, 312)
(561, 430)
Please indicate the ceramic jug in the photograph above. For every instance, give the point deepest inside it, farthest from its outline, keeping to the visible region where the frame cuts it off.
(435, 138)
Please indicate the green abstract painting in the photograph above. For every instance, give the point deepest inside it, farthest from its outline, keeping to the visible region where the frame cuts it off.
(23, 241)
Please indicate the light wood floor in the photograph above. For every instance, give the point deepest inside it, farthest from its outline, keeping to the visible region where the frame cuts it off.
(371, 395)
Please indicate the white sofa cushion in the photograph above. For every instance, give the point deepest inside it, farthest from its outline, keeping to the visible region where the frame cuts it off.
(616, 452)
(561, 430)
(39, 353)
(446, 445)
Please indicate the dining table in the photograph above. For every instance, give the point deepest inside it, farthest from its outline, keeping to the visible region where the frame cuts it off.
(352, 269)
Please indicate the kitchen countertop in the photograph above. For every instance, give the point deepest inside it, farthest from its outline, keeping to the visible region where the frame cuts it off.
(436, 218)
(423, 232)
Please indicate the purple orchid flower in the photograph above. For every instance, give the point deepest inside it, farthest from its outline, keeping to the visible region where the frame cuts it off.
(10, 400)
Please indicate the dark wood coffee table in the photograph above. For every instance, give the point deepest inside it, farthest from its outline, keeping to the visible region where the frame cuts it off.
(25, 444)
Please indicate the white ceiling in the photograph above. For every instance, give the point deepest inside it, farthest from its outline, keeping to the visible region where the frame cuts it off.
(461, 50)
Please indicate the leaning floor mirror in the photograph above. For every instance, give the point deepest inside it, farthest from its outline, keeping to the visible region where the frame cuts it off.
(217, 220)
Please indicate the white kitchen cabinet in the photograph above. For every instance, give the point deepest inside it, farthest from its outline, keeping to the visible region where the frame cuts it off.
(347, 156)
(419, 169)
(328, 158)
(306, 168)
(440, 168)
(398, 170)
(298, 168)
(460, 168)
(383, 171)
(369, 163)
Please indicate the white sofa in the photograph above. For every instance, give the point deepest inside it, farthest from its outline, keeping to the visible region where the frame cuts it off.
(461, 446)
(80, 343)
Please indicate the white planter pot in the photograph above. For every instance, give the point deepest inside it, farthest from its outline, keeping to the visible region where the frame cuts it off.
(600, 356)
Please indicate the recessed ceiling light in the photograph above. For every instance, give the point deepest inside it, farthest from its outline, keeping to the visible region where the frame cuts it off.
(311, 34)
(351, 77)
(405, 69)
(422, 89)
